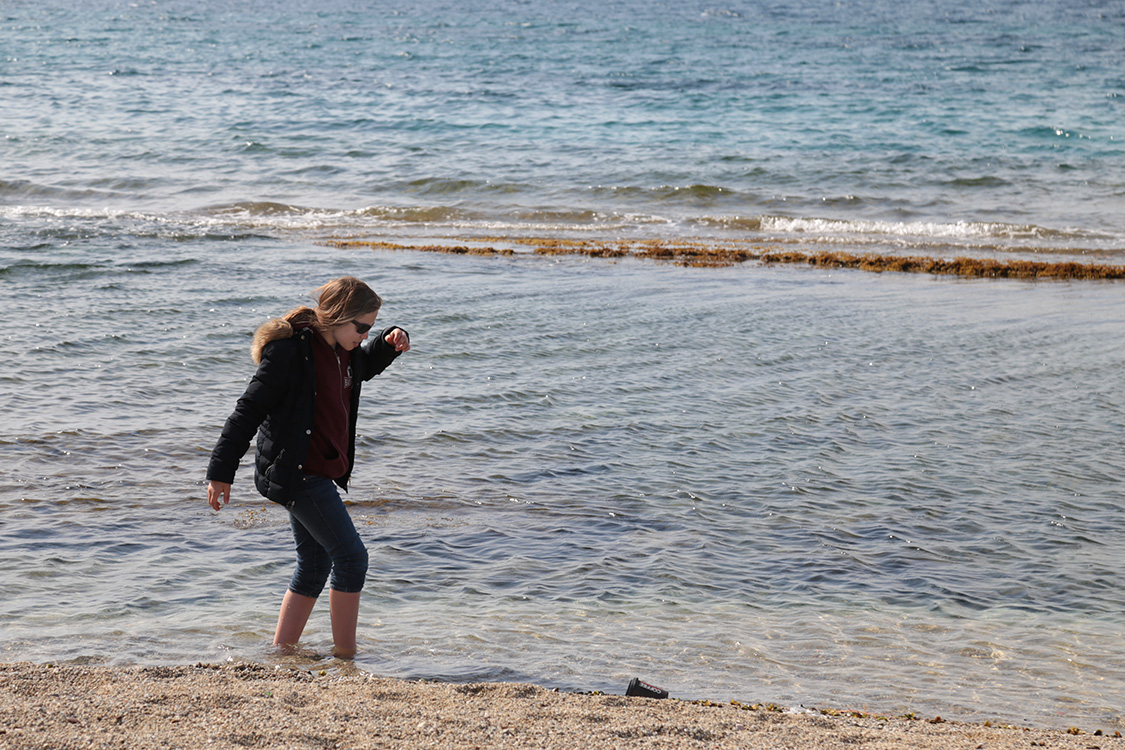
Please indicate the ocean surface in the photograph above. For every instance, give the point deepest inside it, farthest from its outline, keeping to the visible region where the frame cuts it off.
(884, 492)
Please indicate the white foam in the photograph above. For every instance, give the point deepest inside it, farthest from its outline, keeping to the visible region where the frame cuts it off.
(942, 230)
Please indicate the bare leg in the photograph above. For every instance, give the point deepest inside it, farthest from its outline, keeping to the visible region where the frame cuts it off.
(344, 609)
(295, 611)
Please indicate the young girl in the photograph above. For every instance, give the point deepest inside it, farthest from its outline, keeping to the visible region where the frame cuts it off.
(302, 404)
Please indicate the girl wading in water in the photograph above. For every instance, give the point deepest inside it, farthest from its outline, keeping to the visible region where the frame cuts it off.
(302, 405)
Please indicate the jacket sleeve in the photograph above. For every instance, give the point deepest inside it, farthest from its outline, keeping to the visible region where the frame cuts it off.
(378, 353)
(266, 390)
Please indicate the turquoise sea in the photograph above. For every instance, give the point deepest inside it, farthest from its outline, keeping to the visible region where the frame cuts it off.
(887, 492)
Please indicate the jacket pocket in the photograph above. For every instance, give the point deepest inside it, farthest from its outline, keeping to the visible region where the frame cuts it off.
(271, 470)
(275, 482)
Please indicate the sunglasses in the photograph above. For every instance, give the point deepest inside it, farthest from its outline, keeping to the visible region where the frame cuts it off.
(361, 327)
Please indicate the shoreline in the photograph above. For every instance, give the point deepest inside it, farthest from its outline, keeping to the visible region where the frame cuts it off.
(251, 705)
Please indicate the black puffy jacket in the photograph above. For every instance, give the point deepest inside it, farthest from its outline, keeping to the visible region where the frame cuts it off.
(279, 405)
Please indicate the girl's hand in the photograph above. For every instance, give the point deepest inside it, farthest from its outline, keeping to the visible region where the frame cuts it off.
(217, 490)
(399, 340)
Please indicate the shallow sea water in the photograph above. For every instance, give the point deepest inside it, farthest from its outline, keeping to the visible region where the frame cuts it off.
(889, 492)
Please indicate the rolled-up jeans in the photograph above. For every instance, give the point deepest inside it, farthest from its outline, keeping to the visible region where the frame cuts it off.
(327, 542)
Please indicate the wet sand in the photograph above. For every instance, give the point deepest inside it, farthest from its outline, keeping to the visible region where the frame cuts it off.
(243, 705)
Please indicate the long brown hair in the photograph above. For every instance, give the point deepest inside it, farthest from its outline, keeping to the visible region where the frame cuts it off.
(339, 301)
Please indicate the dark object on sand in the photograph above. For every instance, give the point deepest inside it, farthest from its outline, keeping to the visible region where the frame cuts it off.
(644, 690)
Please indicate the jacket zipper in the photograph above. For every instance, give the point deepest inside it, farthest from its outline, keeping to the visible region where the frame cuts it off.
(340, 372)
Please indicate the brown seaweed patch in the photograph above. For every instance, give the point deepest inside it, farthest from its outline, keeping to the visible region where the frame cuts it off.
(451, 249)
(969, 267)
(705, 254)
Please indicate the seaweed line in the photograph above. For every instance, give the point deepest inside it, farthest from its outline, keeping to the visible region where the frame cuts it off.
(698, 254)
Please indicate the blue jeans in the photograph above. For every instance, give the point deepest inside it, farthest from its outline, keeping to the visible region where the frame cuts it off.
(327, 542)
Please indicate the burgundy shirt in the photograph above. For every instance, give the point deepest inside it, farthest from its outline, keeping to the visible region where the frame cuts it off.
(328, 451)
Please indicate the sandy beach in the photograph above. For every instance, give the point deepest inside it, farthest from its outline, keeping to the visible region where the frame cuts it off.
(247, 705)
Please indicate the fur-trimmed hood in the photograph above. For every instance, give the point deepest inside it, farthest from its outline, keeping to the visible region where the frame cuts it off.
(280, 328)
